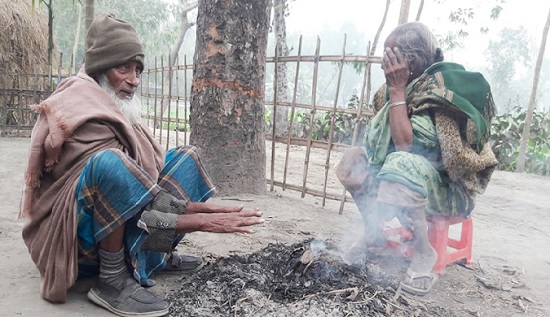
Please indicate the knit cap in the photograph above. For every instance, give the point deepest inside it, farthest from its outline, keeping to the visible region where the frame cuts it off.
(111, 42)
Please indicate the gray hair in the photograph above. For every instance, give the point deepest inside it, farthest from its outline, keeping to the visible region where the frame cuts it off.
(417, 43)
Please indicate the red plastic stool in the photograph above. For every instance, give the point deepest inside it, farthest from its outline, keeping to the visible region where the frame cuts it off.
(399, 239)
(438, 233)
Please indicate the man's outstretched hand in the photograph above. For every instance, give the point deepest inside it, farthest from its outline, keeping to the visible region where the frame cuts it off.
(198, 208)
(220, 219)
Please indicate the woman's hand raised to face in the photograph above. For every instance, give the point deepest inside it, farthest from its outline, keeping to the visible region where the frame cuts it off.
(396, 68)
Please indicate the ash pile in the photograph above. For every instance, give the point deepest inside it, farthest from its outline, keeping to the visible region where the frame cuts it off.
(310, 278)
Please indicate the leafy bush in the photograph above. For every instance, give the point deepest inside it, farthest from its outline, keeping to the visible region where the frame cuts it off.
(506, 137)
(344, 124)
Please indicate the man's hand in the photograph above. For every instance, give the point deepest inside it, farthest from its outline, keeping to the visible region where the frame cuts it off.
(218, 219)
(198, 208)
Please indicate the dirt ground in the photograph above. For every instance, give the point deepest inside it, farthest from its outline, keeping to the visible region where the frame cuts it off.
(511, 276)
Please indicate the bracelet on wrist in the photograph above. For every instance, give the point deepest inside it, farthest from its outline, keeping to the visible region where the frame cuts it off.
(395, 104)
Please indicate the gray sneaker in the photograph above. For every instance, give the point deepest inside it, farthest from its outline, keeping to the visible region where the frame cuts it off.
(182, 264)
(132, 301)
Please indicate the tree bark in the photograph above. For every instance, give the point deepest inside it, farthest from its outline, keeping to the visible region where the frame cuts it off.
(227, 97)
(525, 135)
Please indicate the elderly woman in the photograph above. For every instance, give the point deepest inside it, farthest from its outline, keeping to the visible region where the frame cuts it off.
(426, 148)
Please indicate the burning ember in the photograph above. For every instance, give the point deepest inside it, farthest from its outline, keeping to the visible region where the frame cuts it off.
(311, 278)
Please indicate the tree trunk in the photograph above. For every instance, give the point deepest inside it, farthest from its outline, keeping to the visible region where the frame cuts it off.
(185, 25)
(227, 97)
(404, 12)
(419, 12)
(525, 135)
(382, 23)
(90, 12)
(279, 24)
(76, 38)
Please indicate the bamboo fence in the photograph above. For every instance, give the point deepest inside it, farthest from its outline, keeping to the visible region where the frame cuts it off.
(165, 94)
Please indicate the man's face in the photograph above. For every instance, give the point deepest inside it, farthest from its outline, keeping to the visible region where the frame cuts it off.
(125, 79)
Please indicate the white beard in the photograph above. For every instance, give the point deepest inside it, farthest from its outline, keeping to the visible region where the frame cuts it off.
(130, 107)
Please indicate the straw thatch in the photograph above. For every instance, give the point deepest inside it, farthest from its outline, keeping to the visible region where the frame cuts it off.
(23, 38)
(23, 65)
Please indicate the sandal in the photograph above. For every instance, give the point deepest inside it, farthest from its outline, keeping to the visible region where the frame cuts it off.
(182, 264)
(133, 300)
(415, 275)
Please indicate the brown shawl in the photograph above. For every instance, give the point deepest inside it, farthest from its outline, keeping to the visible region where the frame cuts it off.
(76, 121)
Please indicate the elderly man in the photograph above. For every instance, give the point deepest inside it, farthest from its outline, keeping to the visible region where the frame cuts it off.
(101, 197)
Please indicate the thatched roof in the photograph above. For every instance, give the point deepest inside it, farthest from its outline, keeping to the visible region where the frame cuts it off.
(23, 38)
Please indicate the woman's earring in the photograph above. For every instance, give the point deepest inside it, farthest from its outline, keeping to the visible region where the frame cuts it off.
(411, 73)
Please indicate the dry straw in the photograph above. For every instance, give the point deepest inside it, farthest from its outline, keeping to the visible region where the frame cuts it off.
(23, 38)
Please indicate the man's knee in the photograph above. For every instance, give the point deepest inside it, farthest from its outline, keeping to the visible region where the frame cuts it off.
(190, 149)
(352, 168)
(107, 155)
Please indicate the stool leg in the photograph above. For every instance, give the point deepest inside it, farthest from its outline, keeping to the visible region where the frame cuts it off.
(438, 233)
(466, 239)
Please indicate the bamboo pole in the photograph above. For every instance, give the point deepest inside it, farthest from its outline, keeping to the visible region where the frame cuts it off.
(162, 97)
(313, 192)
(292, 111)
(169, 102)
(185, 97)
(177, 101)
(313, 112)
(364, 87)
(155, 106)
(274, 117)
(325, 58)
(332, 119)
(19, 106)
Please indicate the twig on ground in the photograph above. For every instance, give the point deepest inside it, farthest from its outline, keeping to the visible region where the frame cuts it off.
(388, 302)
(237, 199)
(333, 292)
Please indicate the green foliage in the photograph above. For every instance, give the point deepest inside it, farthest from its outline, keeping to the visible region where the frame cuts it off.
(344, 124)
(156, 22)
(178, 119)
(506, 137)
(462, 18)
